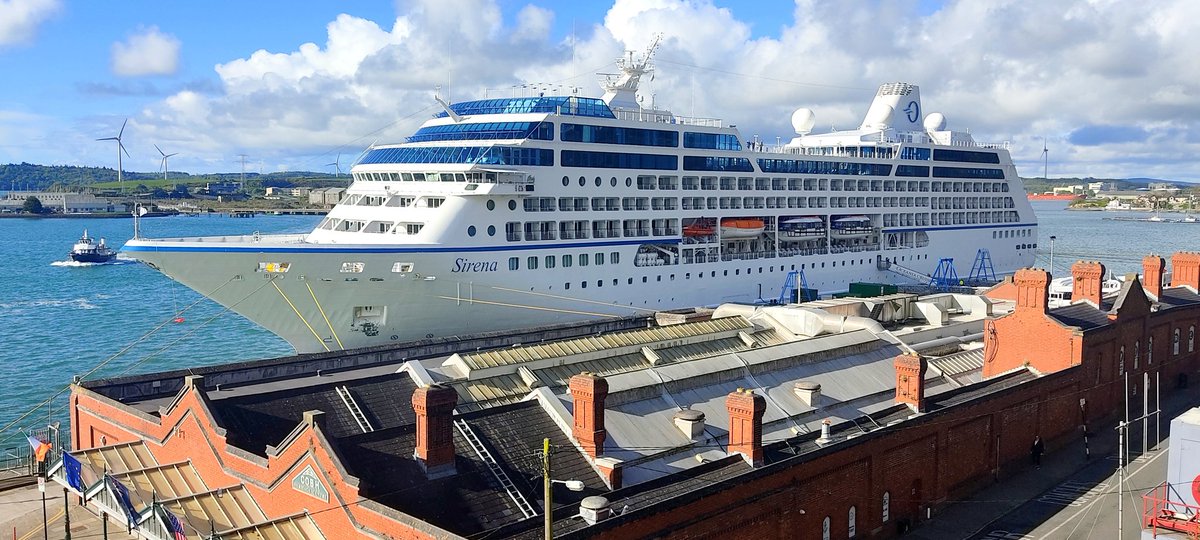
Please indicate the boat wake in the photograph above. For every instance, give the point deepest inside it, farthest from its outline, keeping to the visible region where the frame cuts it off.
(76, 264)
(35, 305)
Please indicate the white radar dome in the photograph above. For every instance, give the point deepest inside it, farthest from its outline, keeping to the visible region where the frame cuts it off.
(935, 122)
(803, 120)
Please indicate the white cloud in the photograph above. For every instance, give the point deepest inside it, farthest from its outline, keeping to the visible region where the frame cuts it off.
(19, 19)
(149, 52)
(1005, 70)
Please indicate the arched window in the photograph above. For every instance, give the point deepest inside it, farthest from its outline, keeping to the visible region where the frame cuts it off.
(887, 506)
(850, 519)
(1137, 351)
(1121, 362)
(825, 529)
(1175, 342)
(1191, 338)
(1149, 350)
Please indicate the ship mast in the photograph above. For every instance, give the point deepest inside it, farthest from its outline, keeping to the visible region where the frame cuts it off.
(621, 90)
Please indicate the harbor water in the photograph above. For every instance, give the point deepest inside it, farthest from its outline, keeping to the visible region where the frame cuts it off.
(60, 319)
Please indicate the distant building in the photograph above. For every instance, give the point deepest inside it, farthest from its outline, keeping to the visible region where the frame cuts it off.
(277, 192)
(316, 197)
(334, 195)
(1162, 186)
(300, 192)
(1096, 187)
(63, 203)
(222, 188)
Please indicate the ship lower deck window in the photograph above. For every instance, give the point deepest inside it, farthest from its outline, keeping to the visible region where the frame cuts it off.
(352, 267)
(402, 267)
(514, 263)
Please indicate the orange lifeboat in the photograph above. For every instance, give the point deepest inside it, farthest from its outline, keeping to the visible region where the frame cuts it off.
(732, 228)
(700, 227)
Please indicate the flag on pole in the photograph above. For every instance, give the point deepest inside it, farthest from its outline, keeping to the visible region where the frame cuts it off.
(122, 493)
(39, 447)
(173, 524)
(74, 471)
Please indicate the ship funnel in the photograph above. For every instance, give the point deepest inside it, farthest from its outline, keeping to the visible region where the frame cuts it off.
(897, 106)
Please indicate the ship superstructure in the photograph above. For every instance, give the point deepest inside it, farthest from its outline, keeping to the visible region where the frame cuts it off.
(511, 212)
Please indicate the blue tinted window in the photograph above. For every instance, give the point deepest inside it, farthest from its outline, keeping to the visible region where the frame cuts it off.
(618, 135)
(703, 163)
(965, 155)
(912, 170)
(488, 155)
(967, 172)
(712, 141)
(489, 130)
(565, 105)
(909, 152)
(618, 160)
(805, 166)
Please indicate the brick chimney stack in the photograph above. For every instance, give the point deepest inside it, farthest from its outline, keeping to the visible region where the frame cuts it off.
(588, 392)
(1033, 289)
(1088, 281)
(434, 406)
(746, 411)
(1152, 272)
(910, 380)
(1185, 269)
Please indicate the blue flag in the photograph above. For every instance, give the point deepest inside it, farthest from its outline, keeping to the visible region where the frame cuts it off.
(74, 471)
(123, 500)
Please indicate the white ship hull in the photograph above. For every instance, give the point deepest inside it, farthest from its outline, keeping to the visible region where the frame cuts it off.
(313, 305)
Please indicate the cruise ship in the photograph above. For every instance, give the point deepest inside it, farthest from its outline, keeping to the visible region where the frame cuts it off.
(504, 213)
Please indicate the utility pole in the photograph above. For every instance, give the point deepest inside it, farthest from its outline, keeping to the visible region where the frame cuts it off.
(66, 514)
(1121, 480)
(549, 492)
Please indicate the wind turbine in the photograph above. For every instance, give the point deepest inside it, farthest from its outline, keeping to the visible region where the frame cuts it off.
(120, 148)
(1045, 160)
(337, 166)
(164, 160)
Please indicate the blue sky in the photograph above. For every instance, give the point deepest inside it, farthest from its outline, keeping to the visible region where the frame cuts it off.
(1111, 85)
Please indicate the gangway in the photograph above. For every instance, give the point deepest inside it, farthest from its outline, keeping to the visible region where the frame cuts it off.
(896, 268)
(465, 430)
(982, 272)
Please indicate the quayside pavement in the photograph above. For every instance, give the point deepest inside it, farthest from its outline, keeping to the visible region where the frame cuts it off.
(1071, 496)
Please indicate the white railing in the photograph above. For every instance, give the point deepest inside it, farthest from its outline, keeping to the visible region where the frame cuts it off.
(665, 117)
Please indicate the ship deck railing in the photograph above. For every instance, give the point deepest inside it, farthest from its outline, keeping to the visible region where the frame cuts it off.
(236, 239)
(665, 117)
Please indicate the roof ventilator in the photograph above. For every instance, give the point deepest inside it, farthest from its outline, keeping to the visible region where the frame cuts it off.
(690, 422)
(594, 509)
(809, 393)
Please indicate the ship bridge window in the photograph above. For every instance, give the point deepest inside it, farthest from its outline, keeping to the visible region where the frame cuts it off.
(379, 227)
(434, 202)
(912, 170)
(968, 172)
(966, 156)
(487, 155)
(619, 135)
(711, 141)
(710, 163)
(485, 130)
(909, 152)
(408, 228)
(619, 160)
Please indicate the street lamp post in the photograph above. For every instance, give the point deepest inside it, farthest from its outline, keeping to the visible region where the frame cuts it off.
(1052, 238)
(548, 485)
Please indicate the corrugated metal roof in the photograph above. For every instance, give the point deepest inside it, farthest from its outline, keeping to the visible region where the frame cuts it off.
(559, 349)
(498, 390)
(692, 351)
(559, 375)
(959, 363)
(299, 527)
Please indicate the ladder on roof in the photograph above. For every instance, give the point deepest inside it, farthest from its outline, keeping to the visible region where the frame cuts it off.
(944, 276)
(477, 445)
(359, 417)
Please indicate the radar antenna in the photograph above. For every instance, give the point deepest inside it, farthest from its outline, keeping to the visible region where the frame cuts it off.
(620, 90)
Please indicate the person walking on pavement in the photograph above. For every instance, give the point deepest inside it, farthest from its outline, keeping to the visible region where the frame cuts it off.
(1036, 451)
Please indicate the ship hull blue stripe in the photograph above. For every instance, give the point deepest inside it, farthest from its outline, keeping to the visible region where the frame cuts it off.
(477, 249)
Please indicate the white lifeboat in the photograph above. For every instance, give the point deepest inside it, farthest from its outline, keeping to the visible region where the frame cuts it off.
(851, 227)
(733, 228)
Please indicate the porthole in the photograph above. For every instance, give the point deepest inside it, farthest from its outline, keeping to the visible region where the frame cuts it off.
(566, 181)
(598, 181)
(613, 181)
(628, 181)
(471, 230)
(491, 230)
(582, 181)
(512, 204)
(491, 205)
